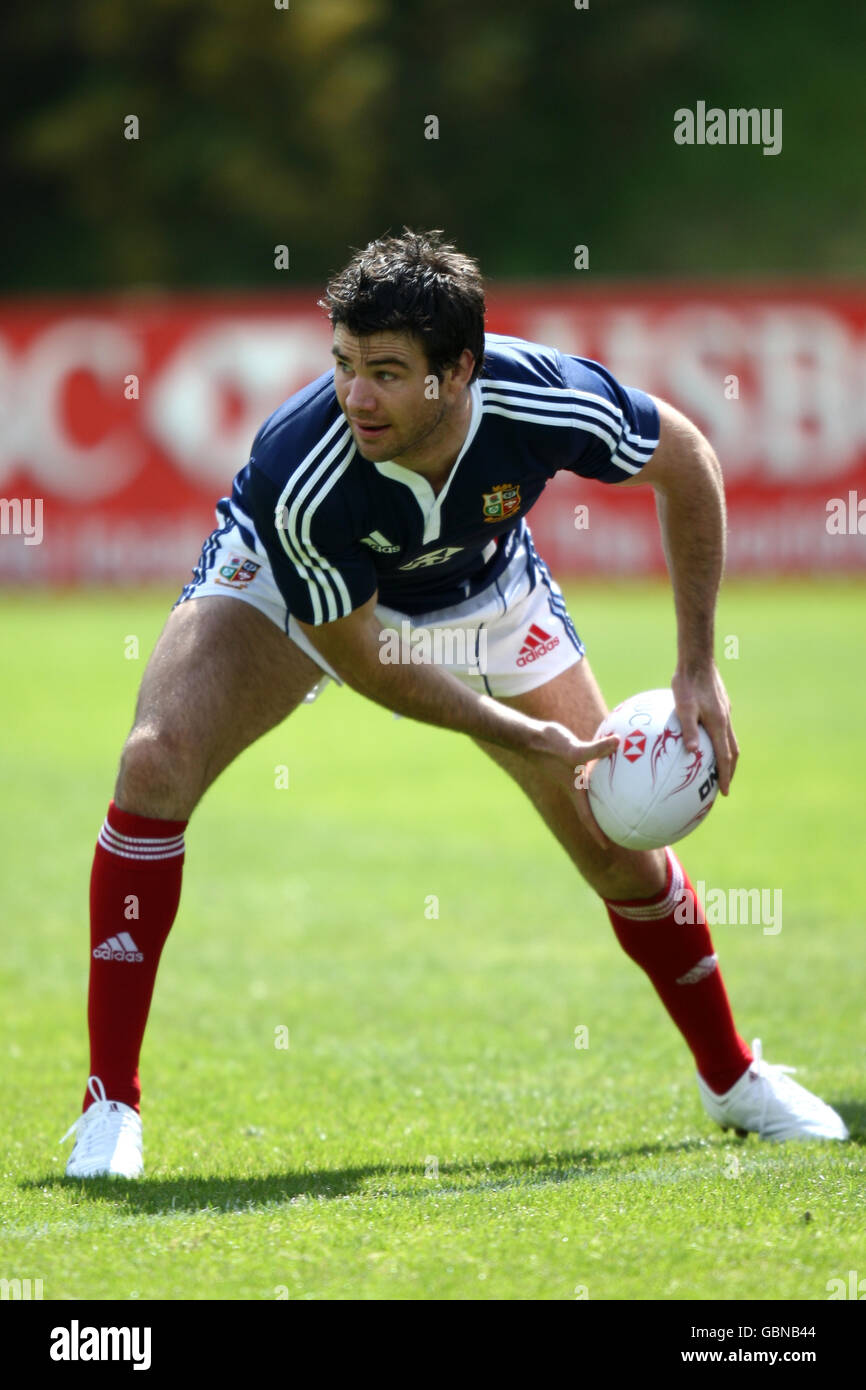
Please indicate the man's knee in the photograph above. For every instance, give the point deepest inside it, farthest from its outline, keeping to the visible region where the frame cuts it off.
(619, 875)
(160, 774)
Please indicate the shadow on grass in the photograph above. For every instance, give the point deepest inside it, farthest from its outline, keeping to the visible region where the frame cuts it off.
(853, 1112)
(164, 1195)
(220, 1194)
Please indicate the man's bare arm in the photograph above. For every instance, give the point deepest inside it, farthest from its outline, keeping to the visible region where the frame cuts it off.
(432, 695)
(690, 500)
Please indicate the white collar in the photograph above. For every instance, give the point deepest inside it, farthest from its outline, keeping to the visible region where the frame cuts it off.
(427, 500)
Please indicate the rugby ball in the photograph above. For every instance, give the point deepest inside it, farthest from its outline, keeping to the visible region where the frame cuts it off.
(651, 792)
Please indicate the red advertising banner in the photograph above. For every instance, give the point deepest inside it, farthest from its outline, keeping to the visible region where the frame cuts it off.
(122, 421)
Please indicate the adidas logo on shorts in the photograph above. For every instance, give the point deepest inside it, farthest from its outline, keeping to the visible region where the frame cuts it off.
(536, 644)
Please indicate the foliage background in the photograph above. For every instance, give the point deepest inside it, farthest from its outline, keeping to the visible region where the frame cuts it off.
(305, 126)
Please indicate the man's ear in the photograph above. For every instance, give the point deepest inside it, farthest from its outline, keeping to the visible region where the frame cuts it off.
(461, 370)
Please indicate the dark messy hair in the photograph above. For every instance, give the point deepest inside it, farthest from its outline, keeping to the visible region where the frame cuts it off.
(418, 284)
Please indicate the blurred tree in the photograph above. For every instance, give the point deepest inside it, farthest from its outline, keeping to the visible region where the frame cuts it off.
(305, 126)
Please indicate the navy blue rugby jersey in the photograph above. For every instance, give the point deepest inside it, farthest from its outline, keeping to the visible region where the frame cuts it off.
(337, 528)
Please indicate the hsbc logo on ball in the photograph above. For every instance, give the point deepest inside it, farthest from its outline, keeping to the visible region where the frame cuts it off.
(634, 747)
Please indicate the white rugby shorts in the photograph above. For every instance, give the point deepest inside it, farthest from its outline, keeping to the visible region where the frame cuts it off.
(513, 636)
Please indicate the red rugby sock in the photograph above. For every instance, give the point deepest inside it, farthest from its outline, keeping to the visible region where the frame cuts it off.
(676, 952)
(134, 896)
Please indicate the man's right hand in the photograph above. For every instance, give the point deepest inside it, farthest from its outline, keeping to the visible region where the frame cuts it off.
(561, 757)
(434, 696)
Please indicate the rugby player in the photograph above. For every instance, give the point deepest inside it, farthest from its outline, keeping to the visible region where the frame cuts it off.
(395, 489)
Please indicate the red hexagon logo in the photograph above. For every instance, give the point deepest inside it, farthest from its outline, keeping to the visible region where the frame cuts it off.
(634, 747)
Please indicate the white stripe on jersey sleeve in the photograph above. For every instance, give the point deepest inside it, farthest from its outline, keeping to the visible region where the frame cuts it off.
(585, 424)
(555, 398)
(563, 398)
(313, 567)
(570, 407)
(561, 413)
(323, 563)
(563, 403)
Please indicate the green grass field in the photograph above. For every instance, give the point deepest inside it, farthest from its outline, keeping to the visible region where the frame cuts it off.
(431, 1131)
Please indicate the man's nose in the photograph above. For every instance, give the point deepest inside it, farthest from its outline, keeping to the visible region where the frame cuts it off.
(360, 395)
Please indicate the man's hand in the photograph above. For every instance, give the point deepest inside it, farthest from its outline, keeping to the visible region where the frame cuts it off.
(558, 755)
(434, 696)
(701, 697)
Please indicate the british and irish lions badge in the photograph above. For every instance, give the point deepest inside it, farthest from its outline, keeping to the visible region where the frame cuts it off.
(502, 502)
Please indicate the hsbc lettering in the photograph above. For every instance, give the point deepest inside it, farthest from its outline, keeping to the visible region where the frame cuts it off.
(641, 716)
(801, 418)
(126, 481)
(201, 407)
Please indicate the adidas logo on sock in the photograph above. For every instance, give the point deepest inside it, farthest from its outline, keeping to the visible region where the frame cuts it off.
(705, 966)
(536, 644)
(120, 947)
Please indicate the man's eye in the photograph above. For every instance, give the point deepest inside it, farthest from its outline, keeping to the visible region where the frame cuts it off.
(346, 368)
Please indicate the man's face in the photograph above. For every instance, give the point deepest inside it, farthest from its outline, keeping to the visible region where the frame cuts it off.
(393, 402)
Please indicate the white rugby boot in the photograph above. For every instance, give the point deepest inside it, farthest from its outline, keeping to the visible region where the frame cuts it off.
(107, 1139)
(765, 1101)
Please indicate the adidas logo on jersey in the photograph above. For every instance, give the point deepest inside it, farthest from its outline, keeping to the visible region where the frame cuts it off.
(537, 644)
(376, 541)
(120, 947)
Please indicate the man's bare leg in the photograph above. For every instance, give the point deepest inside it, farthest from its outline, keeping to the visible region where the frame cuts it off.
(221, 675)
(574, 699)
(642, 891)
